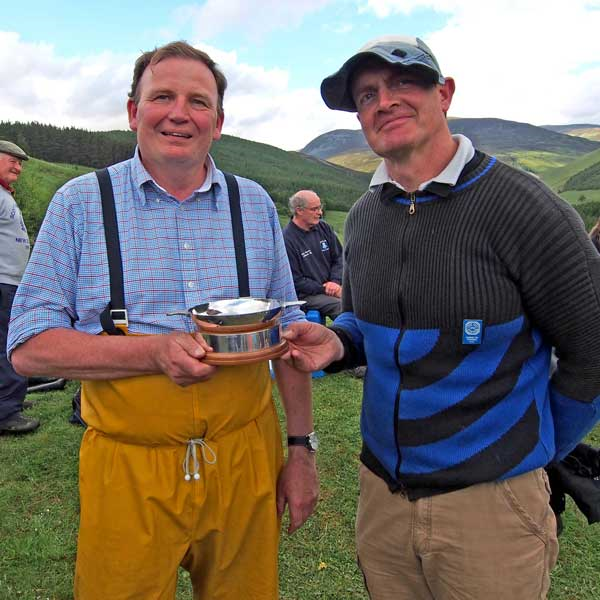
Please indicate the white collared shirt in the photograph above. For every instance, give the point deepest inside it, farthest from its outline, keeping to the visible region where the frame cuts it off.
(449, 175)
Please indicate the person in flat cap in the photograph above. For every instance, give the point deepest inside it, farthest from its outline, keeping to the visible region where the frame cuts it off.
(14, 254)
(480, 270)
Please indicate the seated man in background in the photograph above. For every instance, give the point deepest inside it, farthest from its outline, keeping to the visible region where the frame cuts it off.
(315, 255)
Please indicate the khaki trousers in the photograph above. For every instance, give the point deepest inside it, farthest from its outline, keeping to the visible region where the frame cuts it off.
(489, 541)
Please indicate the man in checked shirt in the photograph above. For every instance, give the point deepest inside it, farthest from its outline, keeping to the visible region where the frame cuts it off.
(148, 397)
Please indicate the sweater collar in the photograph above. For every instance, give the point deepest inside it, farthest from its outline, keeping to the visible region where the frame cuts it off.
(476, 167)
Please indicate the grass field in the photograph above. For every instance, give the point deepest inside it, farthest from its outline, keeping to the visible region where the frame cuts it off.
(39, 508)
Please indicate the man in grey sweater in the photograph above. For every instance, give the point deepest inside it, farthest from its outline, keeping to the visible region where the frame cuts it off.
(14, 253)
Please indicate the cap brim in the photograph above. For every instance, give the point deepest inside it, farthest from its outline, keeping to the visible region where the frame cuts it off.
(335, 88)
(19, 155)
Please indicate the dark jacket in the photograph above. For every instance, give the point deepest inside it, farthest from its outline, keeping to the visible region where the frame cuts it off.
(315, 257)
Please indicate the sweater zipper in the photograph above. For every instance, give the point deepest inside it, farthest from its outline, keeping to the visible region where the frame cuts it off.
(406, 225)
(412, 209)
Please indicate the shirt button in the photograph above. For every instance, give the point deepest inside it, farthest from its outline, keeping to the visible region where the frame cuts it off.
(186, 246)
(190, 284)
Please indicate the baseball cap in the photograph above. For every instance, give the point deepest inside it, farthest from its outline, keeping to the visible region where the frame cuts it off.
(405, 51)
(9, 148)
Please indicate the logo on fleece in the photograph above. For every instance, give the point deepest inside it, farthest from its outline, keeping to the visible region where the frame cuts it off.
(472, 331)
(324, 245)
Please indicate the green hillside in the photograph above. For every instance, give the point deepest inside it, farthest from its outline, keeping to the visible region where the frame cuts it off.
(577, 180)
(587, 179)
(70, 145)
(557, 178)
(282, 173)
(37, 184)
(586, 203)
(364, 160)
(534, 161)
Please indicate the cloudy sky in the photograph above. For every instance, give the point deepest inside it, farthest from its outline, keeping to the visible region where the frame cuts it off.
(68, 62)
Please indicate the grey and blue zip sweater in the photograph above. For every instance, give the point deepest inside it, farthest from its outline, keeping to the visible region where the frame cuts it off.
(474, 285)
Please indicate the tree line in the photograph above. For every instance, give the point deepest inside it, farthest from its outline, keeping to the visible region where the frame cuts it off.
(69, 144)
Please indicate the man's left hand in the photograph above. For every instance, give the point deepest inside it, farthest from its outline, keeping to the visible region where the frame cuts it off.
(298, 487)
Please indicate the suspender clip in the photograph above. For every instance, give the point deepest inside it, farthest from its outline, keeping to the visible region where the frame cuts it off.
(120, 318)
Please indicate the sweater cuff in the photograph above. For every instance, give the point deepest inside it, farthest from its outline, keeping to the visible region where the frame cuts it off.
(352, 356)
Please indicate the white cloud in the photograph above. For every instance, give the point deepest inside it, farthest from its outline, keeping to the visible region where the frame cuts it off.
(286, 119)
(260, 106)
(82, 92)
(530, 61)
(251, 19)
(91, 92)
(524, 61)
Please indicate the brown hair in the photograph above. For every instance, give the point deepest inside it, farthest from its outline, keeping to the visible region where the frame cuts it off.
(178, 49)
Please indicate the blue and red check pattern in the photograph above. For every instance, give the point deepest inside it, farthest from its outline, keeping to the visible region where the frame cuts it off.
(175, 254)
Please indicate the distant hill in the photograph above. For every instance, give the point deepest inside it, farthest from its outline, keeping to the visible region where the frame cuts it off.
(587, 130)
(560, 155)
(495, 136)
(336, 142)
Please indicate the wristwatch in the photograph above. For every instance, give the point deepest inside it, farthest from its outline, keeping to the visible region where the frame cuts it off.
(310, 441)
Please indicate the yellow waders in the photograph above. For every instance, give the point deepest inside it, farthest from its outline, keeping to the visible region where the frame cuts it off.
(174, 476)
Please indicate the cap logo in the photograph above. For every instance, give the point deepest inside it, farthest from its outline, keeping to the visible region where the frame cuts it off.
(398, 52)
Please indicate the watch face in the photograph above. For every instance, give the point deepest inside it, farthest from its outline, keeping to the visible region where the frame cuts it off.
(313, 441)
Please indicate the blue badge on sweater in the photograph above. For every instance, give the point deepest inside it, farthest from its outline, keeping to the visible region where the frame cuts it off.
(472, 331)
(324, 245)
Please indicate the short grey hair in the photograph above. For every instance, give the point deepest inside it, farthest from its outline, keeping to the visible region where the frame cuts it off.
(298, 200)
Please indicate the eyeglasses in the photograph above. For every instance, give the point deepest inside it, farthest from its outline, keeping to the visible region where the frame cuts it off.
(314, 208)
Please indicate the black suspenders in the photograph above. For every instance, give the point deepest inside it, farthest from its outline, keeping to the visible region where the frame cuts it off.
(113, 318)
(237, 225)
(115, 313)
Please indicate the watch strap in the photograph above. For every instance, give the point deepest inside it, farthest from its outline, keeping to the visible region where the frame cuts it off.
(298, 440)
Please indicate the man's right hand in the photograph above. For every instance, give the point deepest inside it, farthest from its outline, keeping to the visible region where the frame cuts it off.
(333, 289)
(179, 356)
(311, 346)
